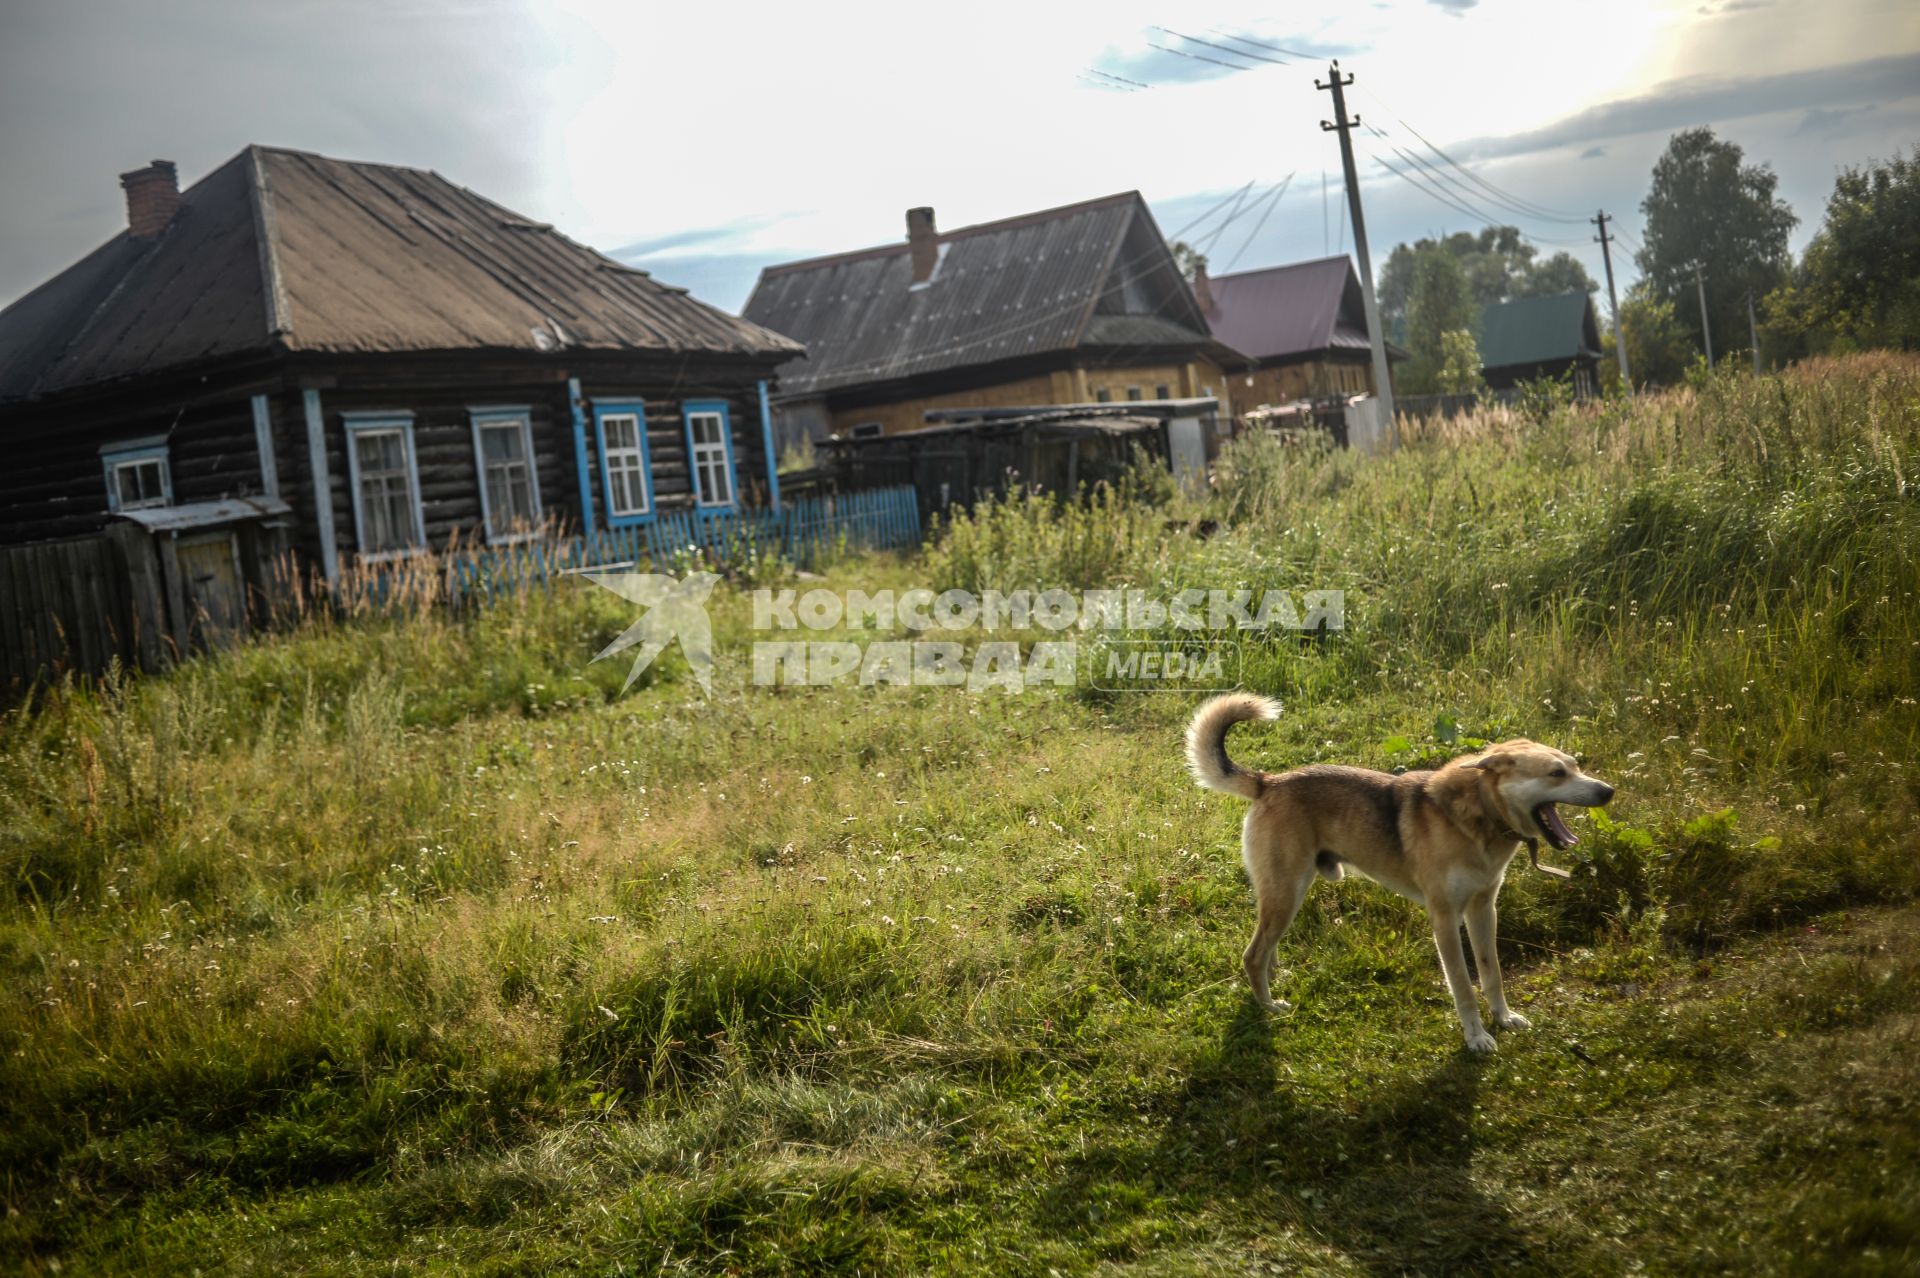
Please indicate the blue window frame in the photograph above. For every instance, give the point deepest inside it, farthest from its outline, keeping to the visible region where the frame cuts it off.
(626, 471)
(509, 480)
(716, 485)
(384, 477)
(138, 475)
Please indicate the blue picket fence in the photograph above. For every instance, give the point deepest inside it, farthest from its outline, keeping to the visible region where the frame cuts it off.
(802, 532)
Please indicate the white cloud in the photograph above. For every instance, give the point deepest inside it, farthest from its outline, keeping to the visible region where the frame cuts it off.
(714, 138)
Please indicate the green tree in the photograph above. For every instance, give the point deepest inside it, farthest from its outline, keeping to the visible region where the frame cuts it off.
(1561, 273)
(1659, 347)
(1438, 304)
(1858, 283)
(1707, 205)
(1189, 260)
(1459, 363)
(1497, 262)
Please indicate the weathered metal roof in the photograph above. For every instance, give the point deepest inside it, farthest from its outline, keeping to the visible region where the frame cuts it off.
(1023, 286)
(285, 250)
(1534, 330)
(206, 514)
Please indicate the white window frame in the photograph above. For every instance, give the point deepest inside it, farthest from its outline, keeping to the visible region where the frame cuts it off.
(713, 408)
(614, 411)
(484, 420)
(400, 423)
(132, 454)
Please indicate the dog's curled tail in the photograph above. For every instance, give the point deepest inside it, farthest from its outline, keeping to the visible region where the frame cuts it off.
(1207, 742)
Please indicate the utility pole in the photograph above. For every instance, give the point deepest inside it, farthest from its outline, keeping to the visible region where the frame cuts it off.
(1753, 334)
(1706, 329)
(1382, 375)
(1613, 299)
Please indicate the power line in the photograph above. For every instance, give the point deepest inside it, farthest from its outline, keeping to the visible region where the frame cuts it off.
(1131, 85)
(1273, 202)
(1197, 57)
(1433, 192)
(1236, 214)
(1466, 194)
(1238, 53)
(1539, 210)
(1427, 180)
(1215, 209)
(1262, 44)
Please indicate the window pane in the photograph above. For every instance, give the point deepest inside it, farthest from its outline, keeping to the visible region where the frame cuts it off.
(386, 494)
(505, 441)
(712, 484)
(625, 464)
(140, 483)
(500, 512)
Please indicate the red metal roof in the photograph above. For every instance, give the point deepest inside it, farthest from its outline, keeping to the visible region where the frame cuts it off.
(1286, 311)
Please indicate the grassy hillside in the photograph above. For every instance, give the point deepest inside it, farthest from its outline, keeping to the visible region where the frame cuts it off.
(408, 940)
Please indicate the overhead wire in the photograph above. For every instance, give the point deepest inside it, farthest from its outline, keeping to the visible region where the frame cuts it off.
(1238, 53)
(1261, 44)
(1541, 211)
(1197, 57)
(1425, 179)
(1465, 194)
(1272, 202)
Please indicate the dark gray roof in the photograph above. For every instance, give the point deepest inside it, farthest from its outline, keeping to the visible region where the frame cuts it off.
(284, 250)
(1536, 330)
(1285, 312)
(1042, 282)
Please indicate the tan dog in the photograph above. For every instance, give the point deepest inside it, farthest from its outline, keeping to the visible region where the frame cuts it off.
(1441, 839)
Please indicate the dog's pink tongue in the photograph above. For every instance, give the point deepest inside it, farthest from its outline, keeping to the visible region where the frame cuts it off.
(1550, 817)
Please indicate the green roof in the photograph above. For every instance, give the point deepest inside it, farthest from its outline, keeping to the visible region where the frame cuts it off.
(1536, 330)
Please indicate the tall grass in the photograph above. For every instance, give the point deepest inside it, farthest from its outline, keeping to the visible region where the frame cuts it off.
(404, 924)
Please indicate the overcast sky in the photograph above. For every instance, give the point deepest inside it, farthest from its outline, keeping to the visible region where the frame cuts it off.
(704, 141)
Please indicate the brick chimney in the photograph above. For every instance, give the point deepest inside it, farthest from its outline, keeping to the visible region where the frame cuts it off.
(924, 243)
(1202, 288)
(153, 197)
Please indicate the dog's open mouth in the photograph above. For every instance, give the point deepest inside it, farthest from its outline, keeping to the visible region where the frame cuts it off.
(1556, 830)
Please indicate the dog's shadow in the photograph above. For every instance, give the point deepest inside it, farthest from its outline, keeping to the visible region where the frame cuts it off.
(1386, 1180)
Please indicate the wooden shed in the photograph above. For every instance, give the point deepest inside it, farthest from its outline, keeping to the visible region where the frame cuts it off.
(964, 455)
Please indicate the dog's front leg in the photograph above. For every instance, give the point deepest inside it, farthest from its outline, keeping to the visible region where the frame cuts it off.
(1453, 960)
(1483, 922)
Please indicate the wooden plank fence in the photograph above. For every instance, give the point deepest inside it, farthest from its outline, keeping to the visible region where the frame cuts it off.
(78, 605)
(73, 605)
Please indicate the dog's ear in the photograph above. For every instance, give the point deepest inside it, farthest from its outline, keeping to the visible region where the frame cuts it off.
(1492, 761)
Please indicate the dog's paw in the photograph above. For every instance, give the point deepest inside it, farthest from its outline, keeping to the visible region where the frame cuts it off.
(1278, 1006)
(1480, 1042)
(1512, 1020)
